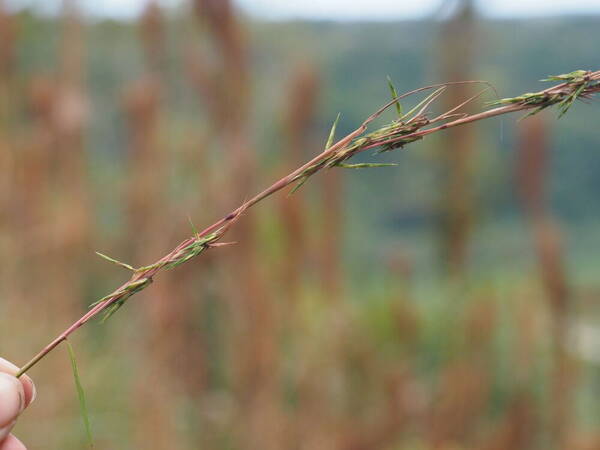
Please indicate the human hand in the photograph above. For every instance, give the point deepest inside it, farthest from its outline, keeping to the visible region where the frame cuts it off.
(15, 396)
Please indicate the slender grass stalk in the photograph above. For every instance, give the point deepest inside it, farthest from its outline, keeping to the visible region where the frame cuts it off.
(406, 129)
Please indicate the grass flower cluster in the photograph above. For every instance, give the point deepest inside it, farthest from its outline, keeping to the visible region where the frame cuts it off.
(405, 129)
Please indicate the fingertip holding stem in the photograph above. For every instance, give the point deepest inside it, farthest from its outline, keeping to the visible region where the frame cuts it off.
(12, 403)
(27, 383)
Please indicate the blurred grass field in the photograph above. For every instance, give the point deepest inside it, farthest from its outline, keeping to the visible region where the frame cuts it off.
(447, 303)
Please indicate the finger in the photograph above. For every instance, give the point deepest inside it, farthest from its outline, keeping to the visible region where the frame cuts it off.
(28, 386)
(12, 403)
(12, 443)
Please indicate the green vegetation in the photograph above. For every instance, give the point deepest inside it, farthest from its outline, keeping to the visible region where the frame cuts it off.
(327, 325)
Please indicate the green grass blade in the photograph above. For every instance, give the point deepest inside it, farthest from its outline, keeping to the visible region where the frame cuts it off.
(365, 165)
(115, 261)
(193, 226)
(332, 132)
(394, 93)
(423, 102)
(566, 104)
(298, 185)
(81, 395)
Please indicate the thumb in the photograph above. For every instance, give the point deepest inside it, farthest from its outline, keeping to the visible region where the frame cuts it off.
(12, 403)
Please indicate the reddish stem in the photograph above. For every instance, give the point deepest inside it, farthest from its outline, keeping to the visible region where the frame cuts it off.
(223, 224)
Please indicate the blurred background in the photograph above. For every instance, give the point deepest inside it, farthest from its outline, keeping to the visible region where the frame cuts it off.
(447, 303)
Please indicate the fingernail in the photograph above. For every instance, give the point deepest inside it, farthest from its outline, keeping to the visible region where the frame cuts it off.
(13, 400)
(33, 389)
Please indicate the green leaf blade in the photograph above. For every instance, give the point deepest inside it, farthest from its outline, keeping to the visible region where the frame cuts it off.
(332, 132)
(115, 261)
(394, 93)
(81, 396)
(365, 165)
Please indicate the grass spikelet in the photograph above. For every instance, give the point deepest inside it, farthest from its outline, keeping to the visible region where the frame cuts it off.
(577, 84)
(575, 76)
(118, 298)
(304, 177)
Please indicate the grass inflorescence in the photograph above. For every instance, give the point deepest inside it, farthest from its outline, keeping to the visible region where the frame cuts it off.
(576, 85)
(142, 277)
(408, 127)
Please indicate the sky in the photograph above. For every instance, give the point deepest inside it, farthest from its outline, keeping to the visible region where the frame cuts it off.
(341, 9)
(404, 9)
